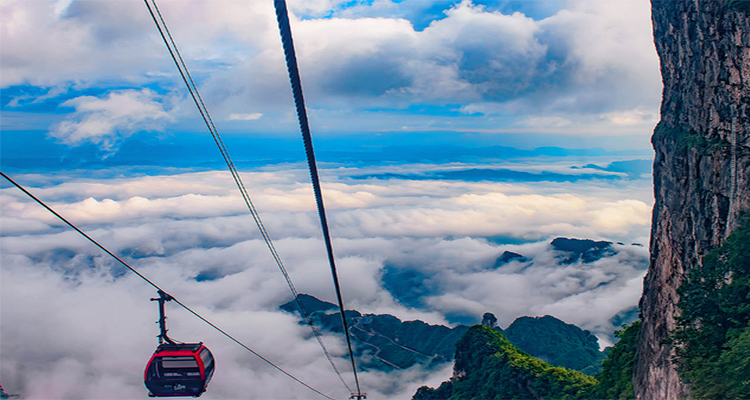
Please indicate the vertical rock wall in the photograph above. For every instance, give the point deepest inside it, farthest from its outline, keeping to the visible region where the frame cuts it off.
(701, 166)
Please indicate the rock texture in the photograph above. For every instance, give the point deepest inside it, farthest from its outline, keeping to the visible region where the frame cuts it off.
(701, 165)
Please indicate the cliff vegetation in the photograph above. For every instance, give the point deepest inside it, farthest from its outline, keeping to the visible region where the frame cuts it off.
(615, 381)
(558, 343)
(713, 331)
(488, 366)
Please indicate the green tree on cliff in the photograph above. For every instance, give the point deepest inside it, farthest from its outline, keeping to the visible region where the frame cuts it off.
(488, 366)
(616, 377)
(713, 330)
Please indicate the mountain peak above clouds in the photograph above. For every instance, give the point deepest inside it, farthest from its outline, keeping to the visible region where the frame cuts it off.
(488, 366)
(586, 250)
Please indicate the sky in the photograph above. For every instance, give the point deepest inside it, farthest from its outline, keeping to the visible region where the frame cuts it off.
(447, 133)
(535, 73)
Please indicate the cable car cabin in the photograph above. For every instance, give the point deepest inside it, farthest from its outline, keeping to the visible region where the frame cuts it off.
(179, 370)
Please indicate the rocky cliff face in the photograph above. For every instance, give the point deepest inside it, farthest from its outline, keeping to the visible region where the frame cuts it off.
(701, 166)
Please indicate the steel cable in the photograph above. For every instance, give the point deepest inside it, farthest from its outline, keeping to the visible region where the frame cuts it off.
(198, 100)
(282, 18)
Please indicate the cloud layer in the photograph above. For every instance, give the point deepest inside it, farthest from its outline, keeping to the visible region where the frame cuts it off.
(75, 323)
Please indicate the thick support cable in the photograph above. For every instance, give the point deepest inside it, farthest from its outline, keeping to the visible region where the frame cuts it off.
(174, 52)
(70, 224)
(282, 17)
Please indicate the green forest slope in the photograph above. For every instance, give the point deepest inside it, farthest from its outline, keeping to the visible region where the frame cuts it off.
(488, 366)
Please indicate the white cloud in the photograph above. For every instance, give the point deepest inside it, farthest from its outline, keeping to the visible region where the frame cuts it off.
(362, 208)
(107, 121)
(632, 117)
(77, 324)
(593, 58)
(245, 117)
(50, 43)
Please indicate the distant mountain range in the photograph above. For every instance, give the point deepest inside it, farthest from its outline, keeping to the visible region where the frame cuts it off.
(414, 285)
(35, 150)
(384, 342)
(632, 169)
(585, 250)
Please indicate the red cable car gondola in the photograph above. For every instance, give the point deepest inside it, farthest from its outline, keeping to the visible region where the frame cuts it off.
(177, 369)
(182, 369)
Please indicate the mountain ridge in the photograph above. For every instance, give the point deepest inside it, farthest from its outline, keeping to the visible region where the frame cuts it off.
(488, 366)
(384, 342)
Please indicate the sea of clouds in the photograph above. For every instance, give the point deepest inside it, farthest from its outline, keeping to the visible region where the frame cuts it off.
(77, 324)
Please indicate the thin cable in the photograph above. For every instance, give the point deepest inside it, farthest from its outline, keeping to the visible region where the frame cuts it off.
(159, 288)
(299, 101)
(161, 25)
(78, 230)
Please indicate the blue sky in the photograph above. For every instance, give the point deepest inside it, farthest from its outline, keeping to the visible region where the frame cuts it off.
(526, 74)
(447, 133)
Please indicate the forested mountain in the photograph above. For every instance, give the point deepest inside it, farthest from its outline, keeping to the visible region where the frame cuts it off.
(384, 342)
(558, 343)
(488, 366)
